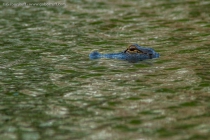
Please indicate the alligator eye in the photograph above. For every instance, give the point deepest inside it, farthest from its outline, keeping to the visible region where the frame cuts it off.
(132, 49)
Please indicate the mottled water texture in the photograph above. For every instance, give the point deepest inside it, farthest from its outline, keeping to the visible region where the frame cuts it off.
(50, 89)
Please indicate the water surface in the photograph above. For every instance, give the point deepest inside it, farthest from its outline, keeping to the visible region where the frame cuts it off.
(50, 89)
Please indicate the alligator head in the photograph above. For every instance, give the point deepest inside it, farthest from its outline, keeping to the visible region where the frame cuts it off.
(136, 49)
(133, 53)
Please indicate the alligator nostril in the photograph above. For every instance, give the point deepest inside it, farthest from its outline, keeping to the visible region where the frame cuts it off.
(150, 56)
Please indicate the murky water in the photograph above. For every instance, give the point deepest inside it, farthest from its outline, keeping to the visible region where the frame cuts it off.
(50, 89)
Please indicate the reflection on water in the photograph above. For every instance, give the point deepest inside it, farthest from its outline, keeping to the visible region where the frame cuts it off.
(50, 89)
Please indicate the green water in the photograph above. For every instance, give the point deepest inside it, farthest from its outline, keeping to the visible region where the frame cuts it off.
(49, 89)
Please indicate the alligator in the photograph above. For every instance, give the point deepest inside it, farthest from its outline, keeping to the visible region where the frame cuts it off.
(133, 53)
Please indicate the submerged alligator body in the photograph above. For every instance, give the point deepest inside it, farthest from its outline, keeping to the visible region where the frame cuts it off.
(133, 53)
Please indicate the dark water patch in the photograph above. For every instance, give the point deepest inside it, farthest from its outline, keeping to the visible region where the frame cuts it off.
(125, 128)
(189, 104)
(135, 122)
(200, 137)
(162, 132)
(114, 103)
(198, 10)
(149, 112)
(134, 98)
(166, 90)
(185, 126)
